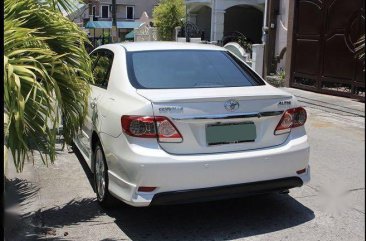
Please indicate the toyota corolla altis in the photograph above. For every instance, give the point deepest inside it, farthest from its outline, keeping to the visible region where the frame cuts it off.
(180, 122)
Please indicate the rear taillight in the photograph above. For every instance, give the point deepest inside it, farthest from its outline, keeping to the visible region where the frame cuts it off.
(290, 119)
(167, 132)
(158, 127)
(139, 126)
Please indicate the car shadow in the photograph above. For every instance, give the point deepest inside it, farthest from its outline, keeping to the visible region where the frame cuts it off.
(84, 165)
(219, 220)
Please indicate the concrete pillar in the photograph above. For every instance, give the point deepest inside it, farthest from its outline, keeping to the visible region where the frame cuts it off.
(217, 24)
(264, 29)
(257, 58)
(177, 29)
(290, 29)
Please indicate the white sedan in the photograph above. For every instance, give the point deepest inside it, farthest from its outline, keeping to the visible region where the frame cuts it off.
(181, 122)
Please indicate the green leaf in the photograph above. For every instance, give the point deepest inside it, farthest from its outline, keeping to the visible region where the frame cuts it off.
(46, 67)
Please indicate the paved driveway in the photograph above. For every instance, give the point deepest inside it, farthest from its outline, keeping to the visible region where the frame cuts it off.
(58, 202)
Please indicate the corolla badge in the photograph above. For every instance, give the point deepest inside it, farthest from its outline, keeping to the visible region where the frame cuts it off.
(231, 105)
(171, 109)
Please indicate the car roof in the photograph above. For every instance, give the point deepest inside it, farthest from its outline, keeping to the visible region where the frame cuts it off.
(163, 45)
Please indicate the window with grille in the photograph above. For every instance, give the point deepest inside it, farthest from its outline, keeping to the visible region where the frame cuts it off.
(105, 12)
(130, 12)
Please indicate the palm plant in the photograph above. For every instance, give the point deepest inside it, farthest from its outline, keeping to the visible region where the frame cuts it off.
(46, 73)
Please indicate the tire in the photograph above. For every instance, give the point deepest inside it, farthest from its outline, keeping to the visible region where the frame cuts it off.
(105, 199)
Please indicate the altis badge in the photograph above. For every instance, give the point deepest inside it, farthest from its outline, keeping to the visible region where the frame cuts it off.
(171, 109)
(284, 102)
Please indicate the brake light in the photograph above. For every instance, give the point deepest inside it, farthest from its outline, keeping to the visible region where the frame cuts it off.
(290, 119)
(158, 127)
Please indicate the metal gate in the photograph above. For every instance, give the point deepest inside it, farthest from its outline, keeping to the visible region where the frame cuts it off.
(323, 57)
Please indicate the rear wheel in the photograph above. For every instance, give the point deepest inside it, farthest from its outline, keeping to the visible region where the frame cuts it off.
(105, 199)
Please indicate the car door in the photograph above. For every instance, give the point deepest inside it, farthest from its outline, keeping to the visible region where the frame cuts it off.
(101, 70)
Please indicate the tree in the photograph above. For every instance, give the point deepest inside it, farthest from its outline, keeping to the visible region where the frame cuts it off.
(46, 72)
(168, 15)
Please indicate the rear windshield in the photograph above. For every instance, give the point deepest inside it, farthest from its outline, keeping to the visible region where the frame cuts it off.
(176, 69)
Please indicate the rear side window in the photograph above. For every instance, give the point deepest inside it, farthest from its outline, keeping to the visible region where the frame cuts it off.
(102, 63)
(175, 69)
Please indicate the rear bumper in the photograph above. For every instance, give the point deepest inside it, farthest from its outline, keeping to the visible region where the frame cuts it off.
(133, 166)
(225, 192)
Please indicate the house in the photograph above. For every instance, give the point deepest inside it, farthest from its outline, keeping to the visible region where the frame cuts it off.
(96, 16)
(312, 41)
(221, 17)
(127, 10)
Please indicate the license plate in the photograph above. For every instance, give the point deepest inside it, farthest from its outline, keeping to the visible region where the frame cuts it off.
(230, 133)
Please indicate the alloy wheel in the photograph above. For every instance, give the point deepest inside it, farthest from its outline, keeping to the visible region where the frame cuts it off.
(99, 174)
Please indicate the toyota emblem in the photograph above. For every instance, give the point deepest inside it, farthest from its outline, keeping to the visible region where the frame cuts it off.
(231, 105)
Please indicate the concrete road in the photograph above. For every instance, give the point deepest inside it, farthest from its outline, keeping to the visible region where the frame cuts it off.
(58, 203)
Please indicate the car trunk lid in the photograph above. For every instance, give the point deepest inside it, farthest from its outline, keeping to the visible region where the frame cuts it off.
(214, 120)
